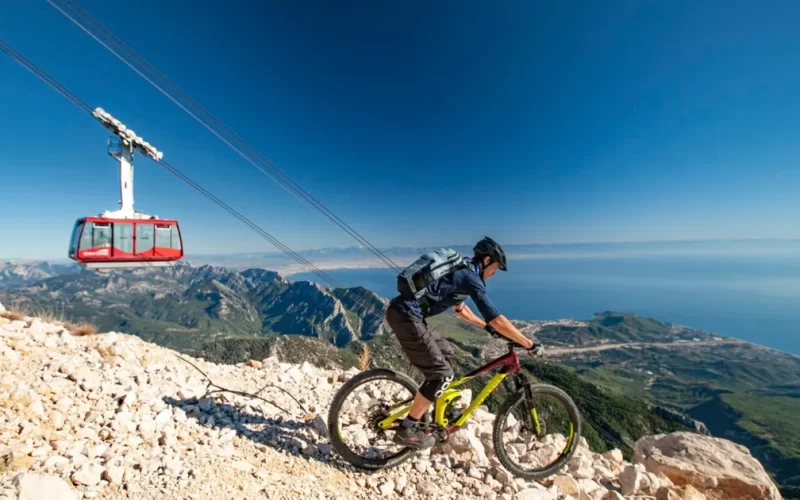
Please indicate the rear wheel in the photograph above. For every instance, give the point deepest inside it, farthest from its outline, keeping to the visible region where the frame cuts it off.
(360, 404)
(536, 431)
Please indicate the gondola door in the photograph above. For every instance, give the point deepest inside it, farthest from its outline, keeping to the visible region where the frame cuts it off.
(123, 240)
(145, 241)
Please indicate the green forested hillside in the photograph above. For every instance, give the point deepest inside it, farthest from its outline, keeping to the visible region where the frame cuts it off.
(740, 391)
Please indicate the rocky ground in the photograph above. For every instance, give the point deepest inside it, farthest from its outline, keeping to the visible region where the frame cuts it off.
(112, 416)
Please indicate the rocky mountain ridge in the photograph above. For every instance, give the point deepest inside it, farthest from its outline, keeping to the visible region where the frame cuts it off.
(113, 416)
(205, 300)
(15, 272)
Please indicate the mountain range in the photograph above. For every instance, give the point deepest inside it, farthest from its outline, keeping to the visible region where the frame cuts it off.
(359, 256)
(183, 305)
(14, 273)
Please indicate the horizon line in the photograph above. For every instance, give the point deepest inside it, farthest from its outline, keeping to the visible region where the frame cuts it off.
(513, 245)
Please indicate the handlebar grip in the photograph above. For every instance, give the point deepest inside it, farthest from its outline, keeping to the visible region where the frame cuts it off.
(536, 348)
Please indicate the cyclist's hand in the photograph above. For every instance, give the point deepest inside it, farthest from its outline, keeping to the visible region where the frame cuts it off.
(537, 349)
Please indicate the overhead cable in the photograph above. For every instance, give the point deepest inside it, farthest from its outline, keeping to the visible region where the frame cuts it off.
(27, 64)
(157, 79)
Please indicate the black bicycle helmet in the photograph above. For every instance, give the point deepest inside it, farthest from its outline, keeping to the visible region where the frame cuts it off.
(488, 246)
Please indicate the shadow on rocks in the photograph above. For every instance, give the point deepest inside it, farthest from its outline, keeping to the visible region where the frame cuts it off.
(307, 439)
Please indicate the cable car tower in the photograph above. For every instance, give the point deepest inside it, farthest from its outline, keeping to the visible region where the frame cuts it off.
(125, 238)
(121, 147)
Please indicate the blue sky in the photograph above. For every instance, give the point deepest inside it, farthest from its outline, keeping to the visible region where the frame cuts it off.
(416, 122)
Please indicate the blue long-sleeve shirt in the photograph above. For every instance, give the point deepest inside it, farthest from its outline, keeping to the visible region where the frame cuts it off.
(452, 290)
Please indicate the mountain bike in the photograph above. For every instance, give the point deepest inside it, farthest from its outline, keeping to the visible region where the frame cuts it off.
(527, 430)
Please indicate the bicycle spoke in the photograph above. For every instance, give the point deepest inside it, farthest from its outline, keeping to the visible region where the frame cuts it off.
(538, 435)
(361, 411)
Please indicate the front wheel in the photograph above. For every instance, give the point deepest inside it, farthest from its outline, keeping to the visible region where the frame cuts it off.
(536, 431)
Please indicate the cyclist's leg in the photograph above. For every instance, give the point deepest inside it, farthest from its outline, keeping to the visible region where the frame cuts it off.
(424, 346)
(420, 344)
(444, 346)
(427, 350)
(440, 377)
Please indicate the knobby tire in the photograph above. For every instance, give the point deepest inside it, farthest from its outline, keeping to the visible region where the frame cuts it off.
(500, 421)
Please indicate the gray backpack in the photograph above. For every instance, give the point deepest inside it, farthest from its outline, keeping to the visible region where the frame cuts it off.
(413, 280)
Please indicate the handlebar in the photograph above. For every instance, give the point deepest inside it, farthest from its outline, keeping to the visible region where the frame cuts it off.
(537, 347)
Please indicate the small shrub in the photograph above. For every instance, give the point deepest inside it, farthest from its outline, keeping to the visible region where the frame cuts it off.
(81, 329)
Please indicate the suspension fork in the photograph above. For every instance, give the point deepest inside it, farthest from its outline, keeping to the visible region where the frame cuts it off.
(529, 415)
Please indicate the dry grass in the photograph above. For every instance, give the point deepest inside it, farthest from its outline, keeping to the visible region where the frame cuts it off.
(16, 309)
(48, 316)
(12, 316)
(364, 359)
(80, 329)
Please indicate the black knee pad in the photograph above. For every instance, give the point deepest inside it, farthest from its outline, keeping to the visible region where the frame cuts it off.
(433, 388)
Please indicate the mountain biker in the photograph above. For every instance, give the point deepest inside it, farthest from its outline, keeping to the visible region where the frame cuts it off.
(426, 348)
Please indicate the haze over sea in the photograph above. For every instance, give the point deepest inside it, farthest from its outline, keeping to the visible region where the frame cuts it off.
(751, 293)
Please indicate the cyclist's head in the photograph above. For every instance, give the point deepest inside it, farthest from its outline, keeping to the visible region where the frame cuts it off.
(490, 257)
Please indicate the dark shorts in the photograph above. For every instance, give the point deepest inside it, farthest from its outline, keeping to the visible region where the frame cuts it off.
(424, 345)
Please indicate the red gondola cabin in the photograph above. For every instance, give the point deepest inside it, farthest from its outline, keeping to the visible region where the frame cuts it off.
(99, 242)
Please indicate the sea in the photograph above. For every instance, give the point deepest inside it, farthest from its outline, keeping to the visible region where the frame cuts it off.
(751, 297)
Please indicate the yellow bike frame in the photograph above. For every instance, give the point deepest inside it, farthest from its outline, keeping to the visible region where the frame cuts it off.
(401, 409)
(510, 364)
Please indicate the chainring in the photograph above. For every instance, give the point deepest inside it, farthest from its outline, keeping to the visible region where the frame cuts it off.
(375, 414)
